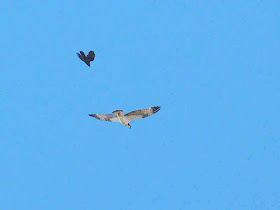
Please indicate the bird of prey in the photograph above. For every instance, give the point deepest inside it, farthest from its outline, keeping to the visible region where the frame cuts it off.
(118, 115)
(87, 59)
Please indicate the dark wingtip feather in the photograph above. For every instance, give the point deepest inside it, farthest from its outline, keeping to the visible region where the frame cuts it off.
(156, 109)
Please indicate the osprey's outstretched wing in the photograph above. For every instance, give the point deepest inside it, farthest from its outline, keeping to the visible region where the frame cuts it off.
(91, 55)
(105, 117)
(138, 114)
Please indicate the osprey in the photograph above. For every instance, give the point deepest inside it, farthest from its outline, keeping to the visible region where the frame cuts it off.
(87, 59)
(118, 115)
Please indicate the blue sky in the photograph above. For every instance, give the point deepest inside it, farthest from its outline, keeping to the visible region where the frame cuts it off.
(213, 67)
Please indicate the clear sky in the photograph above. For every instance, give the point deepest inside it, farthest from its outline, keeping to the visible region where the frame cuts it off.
(212, 66)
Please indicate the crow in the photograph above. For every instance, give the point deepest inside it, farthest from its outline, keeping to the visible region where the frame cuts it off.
(87, 59)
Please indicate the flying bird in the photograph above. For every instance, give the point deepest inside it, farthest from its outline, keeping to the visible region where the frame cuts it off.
(87, 59)
(118, 115)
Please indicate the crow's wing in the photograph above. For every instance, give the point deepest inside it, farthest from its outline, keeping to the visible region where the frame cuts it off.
(81, 55)
(91, 55)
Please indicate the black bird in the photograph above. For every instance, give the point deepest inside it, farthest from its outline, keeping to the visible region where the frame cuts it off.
(87, 59)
